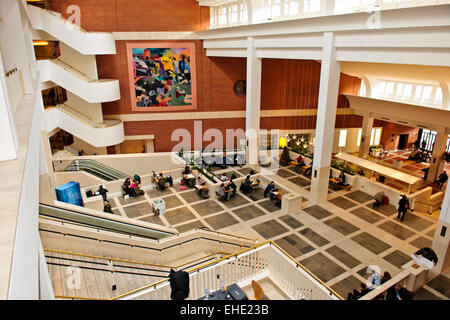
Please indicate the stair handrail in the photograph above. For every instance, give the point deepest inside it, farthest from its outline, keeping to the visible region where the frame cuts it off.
(236, 255)
(116, 174)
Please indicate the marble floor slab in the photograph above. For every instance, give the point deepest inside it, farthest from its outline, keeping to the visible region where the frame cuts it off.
(236, 200)
(343, 202)
(341, 225)
(291, 221)
(156, 193)
(257, 194)
(153, 219)
(425, 294)
(248, 212)
(208, 207)
(294, 245)
(346, 285)
(421, 242)
(359, 196)
(179, 215)
(385, 209)
(269, 205)
(269, 229)
(314, 237)
(323, 267)
(441, 284)
(221, 221)
(397, 258)
(130, 200)
(343, 256)
(371, 243)
(317, 212)
(285, 173)
(137, 210)
(172, 202)
(191, 196)
(415, 222)
(300, 181)
(366, 214)
(396, 230)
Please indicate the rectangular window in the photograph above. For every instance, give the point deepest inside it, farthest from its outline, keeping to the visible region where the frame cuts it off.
(381, 88)
(342, 138)
(377, 138)
(418, 93)
(407, 91)
(358, 142)
(399, 92)
(389, 90)
(438, 96)
(426, 94)
(372, 136)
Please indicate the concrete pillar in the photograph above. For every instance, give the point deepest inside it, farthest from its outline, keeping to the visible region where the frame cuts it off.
(366, 133)
(253, 103)
(441, 241)
(9, 141)
(326, 117)
(438, 150)
(149, 147)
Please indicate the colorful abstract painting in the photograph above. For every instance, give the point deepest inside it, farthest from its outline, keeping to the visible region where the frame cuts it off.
(162, 76)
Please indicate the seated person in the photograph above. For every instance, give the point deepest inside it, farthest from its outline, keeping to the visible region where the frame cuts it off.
(221, 192)
(161, 182)
(246, 186)
(361, 172)
(355, 295)
(232, 186)
(300, 162)
(378, 199)
(126, 186)
(270, 187)
(201, 181)
(187, 170)
(134, 185)
(341, 179)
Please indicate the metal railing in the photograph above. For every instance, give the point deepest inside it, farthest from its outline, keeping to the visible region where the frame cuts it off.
(97, 169)
(263, 260)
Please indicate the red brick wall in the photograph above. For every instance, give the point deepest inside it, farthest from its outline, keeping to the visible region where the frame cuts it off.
(215, 79)
(137, 15)
(390, 142)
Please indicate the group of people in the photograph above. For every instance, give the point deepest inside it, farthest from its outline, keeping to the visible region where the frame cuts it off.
(375, 280)
(131, 187)
(227, 190)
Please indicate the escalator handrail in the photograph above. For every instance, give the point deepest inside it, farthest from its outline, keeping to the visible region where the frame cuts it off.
(135, 226)
(102, 168)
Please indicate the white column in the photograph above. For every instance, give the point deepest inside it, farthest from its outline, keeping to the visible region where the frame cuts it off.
(441, 241)
(253, 102)
(326, 7)
(326, 117)
(9, 142)
(366, 133)
(436, 158)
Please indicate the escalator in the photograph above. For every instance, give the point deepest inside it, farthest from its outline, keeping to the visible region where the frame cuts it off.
(85, 219)
(97, 169)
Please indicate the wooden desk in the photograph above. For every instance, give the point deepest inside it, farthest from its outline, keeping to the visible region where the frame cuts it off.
(201, 187)
(335, 183)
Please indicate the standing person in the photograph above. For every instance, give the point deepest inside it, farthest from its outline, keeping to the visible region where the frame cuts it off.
(52, 95)
(102, 191)
(403, 206)
(442, 179)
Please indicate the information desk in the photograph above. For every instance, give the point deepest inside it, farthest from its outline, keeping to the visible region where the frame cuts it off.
(385, 171)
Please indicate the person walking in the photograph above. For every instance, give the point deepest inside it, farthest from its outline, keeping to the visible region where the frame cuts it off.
(403, 206)
(102, 191)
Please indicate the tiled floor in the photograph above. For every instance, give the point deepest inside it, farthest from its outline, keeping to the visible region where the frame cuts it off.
(336, 239)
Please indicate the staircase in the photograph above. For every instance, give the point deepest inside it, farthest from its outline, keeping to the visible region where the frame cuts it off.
(91, 90)
(87, 43)
(110, 132)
